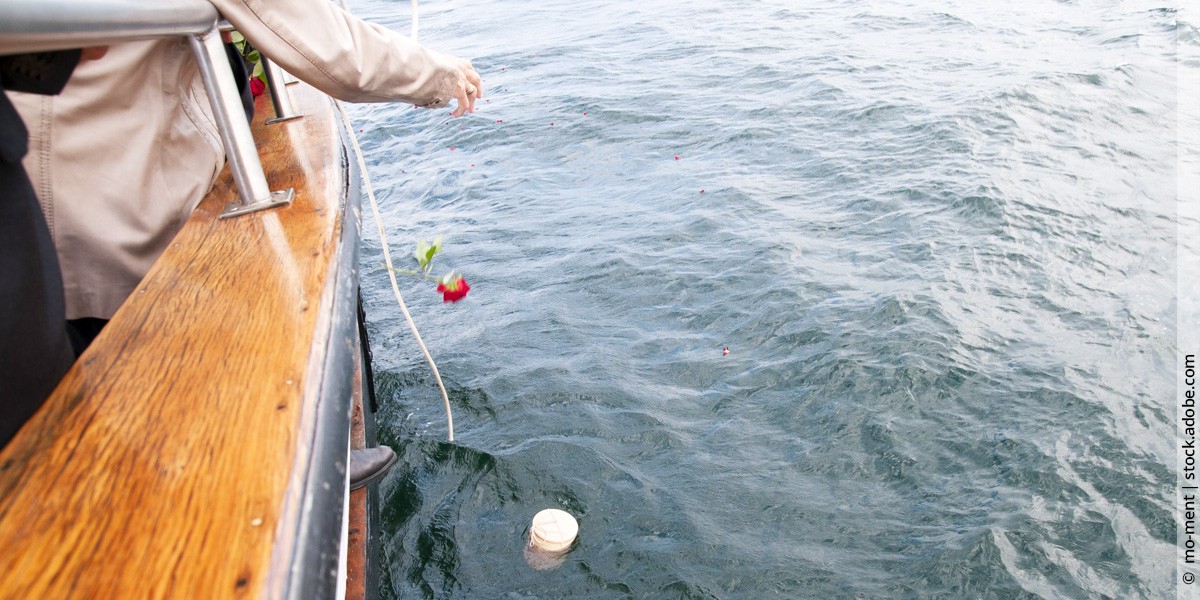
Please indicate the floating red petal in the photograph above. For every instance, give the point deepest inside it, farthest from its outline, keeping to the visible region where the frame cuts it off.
(453, 291)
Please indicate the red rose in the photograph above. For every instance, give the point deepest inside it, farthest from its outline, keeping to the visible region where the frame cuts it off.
(454, 289)
(257, 87)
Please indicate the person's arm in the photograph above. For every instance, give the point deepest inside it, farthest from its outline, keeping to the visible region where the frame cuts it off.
(348, 58)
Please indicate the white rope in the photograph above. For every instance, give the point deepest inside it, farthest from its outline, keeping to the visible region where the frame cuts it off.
(414, 20)
(413, 35)
(387, 259)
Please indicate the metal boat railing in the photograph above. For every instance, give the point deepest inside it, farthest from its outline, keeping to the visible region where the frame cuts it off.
(45, 25)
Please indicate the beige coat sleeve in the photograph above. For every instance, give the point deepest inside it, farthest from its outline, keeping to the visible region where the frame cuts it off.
(341, 55)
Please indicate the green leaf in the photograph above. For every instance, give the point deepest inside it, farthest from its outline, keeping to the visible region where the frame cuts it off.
(432, 252)
(422, 253)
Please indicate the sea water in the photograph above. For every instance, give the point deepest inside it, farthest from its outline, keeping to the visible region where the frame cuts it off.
(939, 239)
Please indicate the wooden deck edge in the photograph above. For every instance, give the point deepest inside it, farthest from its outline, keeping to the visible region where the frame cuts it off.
(308, 566)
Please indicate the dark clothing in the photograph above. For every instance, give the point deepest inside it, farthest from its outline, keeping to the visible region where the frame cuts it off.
(83, 332)
(37, 73)
(34, 349)
(241, 75)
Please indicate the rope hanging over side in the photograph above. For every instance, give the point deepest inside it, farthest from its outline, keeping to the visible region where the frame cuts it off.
(414, 20)
(387, 258)
(346, 7)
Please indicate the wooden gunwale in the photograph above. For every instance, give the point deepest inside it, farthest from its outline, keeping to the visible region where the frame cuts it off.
(178, 455)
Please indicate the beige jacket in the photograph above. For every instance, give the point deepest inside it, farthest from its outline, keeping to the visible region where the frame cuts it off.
(127, 151)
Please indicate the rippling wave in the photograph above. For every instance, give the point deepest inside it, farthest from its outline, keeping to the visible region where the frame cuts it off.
(938, 240)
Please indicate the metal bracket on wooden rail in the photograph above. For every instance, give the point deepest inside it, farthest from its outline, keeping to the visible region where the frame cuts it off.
(240, 151)
(281, 98)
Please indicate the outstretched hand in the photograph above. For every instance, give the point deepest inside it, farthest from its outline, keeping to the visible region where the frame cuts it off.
(468, 89)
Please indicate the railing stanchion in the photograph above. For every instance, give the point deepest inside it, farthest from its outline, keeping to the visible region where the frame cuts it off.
(281, 99)
(235, 131)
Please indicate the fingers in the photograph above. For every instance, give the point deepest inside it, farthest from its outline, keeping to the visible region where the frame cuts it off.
(466, 103)
(470, 89)
(473, 80)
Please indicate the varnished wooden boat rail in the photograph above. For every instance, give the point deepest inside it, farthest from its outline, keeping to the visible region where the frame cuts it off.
(197, 449)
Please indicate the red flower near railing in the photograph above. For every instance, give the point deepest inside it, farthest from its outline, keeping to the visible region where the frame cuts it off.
(453, 288)
(258, 78)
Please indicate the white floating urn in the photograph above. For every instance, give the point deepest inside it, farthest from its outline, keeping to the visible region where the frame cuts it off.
(553, 530)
